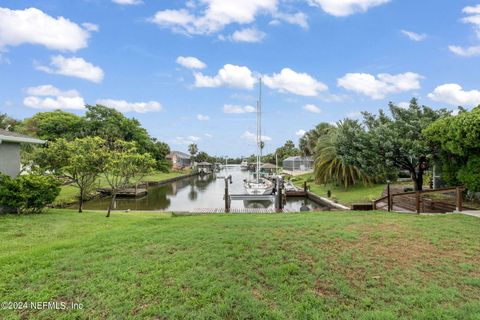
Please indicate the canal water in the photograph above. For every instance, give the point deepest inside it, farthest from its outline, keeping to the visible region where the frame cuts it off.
(196, 193)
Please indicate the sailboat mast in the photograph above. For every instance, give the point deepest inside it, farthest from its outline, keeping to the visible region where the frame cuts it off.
(259, 131)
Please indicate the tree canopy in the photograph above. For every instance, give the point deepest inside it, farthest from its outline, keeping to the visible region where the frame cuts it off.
(456, 144)
(383, 145)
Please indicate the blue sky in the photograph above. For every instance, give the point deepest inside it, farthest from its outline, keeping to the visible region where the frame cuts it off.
(188, 70)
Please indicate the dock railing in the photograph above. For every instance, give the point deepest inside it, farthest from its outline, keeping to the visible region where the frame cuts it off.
(426, 201)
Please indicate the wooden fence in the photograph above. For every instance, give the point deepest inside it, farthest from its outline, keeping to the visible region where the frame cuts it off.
(437, 200)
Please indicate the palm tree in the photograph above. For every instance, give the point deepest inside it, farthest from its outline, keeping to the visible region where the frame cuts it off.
(330, 167)
(308, 142)
(193, 149)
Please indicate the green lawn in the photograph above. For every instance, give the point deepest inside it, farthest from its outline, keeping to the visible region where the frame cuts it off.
(69, 193)
(355, 194)
(331, 265)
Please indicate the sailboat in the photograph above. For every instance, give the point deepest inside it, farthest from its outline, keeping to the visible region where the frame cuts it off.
(259, 185)
(244, 165)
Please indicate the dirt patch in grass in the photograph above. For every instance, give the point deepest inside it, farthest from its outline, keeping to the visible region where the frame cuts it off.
(378, 227)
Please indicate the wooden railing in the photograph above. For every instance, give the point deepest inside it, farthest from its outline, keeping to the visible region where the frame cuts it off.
(420, 201)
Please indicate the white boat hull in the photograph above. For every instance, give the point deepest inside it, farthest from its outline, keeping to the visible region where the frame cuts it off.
(258, 188)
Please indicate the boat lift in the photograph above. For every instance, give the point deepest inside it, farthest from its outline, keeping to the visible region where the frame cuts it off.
(277, 198)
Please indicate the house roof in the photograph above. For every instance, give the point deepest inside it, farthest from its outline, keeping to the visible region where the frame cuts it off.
(9, 136)
(179, 154)
(268, 166)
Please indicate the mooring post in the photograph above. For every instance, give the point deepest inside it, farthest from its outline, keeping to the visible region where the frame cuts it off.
(279, 195)
(459, 199)
(417, 201)
(227, 196)
(305, 189)
(389, 196)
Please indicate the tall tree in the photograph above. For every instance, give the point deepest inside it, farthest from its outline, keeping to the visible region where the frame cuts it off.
(456, 141)
(79, 160)
(383, 145)
(54, 125)
(330, 167)
(287, 150)
(124, 166)
(308, 142)
(112, 125)
(8, 123)
(193, 149)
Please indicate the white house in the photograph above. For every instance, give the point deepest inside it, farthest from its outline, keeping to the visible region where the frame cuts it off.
(10, 151)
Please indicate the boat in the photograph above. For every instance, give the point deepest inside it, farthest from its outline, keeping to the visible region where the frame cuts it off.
(244, 165)
(259, 185)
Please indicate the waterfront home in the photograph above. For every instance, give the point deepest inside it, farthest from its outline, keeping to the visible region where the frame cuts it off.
(10, 151)
(179, 160)
(302, 164)
(205, 167)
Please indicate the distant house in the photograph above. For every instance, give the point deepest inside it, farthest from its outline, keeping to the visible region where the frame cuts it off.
(179, 160)
(10, 151)
(298, 164)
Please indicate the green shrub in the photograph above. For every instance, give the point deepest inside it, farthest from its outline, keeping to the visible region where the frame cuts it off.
(469, 175)
(29, 193)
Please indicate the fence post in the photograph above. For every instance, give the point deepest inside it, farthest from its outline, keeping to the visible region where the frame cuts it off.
(459, 199)
(305, 186)
(374, 205)
(389, 199)
(417, 201)
(227, 197)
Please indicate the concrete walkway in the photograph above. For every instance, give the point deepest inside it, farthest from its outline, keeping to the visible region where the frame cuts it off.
(473, 213)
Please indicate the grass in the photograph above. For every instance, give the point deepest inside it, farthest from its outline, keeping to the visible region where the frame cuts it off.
(356, 194)
(280, 266)
(69, 193)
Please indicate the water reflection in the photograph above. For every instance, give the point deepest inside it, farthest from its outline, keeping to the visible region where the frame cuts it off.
(200, 192)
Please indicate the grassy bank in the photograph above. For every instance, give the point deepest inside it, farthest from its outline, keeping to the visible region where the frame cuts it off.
(69, 193)
(355, 194)
(296, 266)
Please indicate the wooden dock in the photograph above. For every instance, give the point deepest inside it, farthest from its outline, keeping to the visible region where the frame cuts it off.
(128, 192)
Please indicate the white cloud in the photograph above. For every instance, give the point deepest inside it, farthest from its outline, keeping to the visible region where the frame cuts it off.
(454, 94)
(186, 140)
(73, 67)
(311, 108)
(191, 62)
(247, 135)
(473, 18)
(124, 106)
(297, 83)
(201, 117)
(208, 135)
(229, 76)
(465, 52)
(404, 104)
(472, 10)
(128, 2)
(50, 97)
(229, 108)
(342, 8)
(44, 90)
(248, 35)
(382, 85)
(215, 16)
(298, 18)
(35, 27)
(354, 115)
(300, 133)
(414, 36)
(212, 16)
(90, 27)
